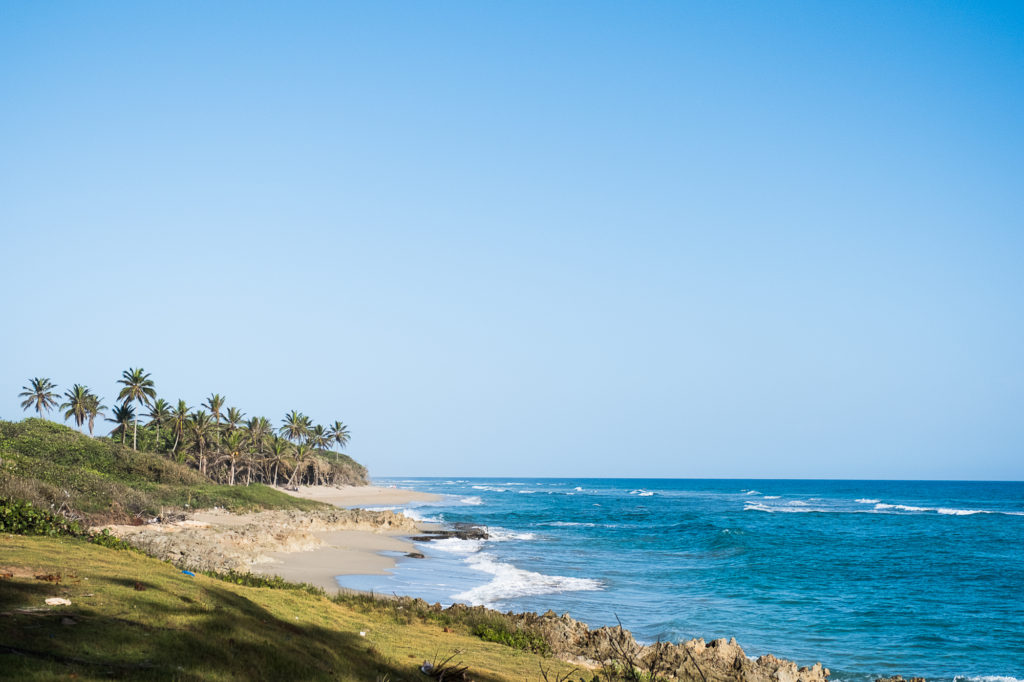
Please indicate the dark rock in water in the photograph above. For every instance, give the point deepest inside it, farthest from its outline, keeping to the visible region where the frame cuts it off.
(415, 555)
(462, 531)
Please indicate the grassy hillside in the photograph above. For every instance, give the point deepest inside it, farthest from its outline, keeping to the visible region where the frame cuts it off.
(135, 617)
(98, 480)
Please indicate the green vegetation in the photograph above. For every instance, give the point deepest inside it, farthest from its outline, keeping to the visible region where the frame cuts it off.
(216, 441)
(98, 480)
(134, 617)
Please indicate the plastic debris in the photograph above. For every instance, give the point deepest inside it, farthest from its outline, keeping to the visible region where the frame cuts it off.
(189, 573)
(362, 634)
(58, 601)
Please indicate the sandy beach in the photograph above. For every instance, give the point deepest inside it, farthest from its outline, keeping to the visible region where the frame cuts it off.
(345, 552)
(361, 496)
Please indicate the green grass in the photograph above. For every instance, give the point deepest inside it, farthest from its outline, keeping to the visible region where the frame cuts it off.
(134, 617)
(100, 481)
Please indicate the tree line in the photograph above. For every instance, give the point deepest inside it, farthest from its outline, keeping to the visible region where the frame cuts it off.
(214, 438)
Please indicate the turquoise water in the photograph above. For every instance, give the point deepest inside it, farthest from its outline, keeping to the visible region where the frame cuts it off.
(868, 577)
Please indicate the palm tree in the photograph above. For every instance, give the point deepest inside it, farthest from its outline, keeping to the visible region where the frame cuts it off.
(94, 407)
(339, 434)
(233, 418)
(214, 404)
(295, 426)
(318, 438)
(201, 426)
(276, 451)
(159, 413)
(233, 452)
(76, 406)
(123, 416)
(302, 453)
(39, 394)
(138, 387)
(179, 419)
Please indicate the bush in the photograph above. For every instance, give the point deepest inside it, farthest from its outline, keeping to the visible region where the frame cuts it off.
(499, 632)
(23, 518)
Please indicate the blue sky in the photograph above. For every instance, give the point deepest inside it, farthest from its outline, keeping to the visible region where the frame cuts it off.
(554, 239)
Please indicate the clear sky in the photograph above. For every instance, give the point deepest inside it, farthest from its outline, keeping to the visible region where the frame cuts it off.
(722, 239)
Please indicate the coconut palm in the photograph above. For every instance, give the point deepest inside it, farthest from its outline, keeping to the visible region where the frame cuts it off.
(233, 418)
(122, 416)
(295, 426)
(277, 450)
(76, 406)
(339, 434)
(318, 437)
(232, 452)
(302, 453)
(215, 404)
(94, 407)
(179, 420)
(201, 427)
(138, 387)
(159, 414)
(39, 394)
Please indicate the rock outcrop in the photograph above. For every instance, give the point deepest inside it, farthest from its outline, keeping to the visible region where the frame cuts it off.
(209, 543)
(696, 660)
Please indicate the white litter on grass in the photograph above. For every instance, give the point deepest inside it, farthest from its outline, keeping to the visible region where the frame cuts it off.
(58, 601)
(362, 634)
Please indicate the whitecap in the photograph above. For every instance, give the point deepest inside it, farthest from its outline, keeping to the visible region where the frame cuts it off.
(753, 492)
(568, 523)
(500, 534)
(987, 678)
(865, 500)
(490, 488)
(510, 582)
(457, 545)
(415, 515)
(471, 500)
(797, 503)
(771, 497)
(960, 512)
(578, 489)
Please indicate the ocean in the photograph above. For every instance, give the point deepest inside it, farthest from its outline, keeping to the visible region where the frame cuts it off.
(871, 578)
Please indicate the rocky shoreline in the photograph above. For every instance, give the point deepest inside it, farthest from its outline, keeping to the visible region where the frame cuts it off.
(225, 542)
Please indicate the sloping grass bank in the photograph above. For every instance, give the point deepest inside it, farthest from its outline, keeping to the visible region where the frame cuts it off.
(100, 481)
(134, 617)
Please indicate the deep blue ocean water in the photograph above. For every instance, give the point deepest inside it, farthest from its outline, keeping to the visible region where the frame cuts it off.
(868, 577)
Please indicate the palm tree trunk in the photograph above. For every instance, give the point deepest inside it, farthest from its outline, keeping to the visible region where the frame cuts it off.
(135, 435)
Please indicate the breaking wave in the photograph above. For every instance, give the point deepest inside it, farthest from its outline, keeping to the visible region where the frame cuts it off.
(510, 582)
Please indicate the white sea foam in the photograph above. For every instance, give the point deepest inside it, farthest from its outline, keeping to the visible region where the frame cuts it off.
(490, 488)
(797, 503)
(865, 500)
(568, 524)
(641, 492)
(526, 492)
(960, 512)
(578, 489)
(753, 492)
(987, 678)
(473, 500)
(510, 582)
(457, 545)
(499, 534)
(754, 506)
(416, 515)
(771, 497)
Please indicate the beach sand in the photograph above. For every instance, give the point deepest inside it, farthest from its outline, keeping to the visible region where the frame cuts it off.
(361, 496)
(348, 551)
